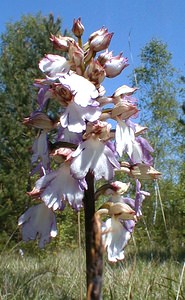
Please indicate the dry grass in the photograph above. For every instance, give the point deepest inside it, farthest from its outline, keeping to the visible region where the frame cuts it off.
(52, 276)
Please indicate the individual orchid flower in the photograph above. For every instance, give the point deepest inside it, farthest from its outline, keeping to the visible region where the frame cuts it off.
(43, 96)
(115, 65)
(54, 65)
(61, 93)
(138, 149)
(61, 154)
(59, 186)
(85, 93)
(104, 100)
(100, 39)
(40, 150)
(141, 145)
(61, 42)
(115, 189)
(104, 56)
(143, 171)
(115, 235)
(38, 221)
(95, 72)
(78, 28)
(146, 150)
(95, 156)
(118, 209)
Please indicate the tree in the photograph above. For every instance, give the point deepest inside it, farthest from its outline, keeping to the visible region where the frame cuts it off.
(22, 46)
(160, 102)
(161, 94)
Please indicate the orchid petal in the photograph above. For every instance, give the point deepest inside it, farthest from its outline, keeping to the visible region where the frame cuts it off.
(38, 220)
(115, 238)
(85, 92)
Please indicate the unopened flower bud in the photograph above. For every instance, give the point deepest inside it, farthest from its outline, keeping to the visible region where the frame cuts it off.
(100, 40)
(77, 28)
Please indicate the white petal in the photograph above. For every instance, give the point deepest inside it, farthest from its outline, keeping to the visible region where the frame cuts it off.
(86, 159)
(83, 89)
(54, 64)
(116, 239)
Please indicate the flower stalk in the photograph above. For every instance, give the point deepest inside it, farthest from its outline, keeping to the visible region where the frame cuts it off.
(94, 250)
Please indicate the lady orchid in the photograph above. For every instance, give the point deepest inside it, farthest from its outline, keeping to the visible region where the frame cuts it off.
(85, 147)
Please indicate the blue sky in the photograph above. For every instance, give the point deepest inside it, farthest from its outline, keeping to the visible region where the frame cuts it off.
(142, 20)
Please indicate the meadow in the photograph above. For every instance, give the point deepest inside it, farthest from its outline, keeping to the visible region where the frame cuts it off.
(60, 274)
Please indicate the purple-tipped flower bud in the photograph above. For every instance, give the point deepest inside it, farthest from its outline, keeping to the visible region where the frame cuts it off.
(115, 65)
(100, 40)
(77, 28)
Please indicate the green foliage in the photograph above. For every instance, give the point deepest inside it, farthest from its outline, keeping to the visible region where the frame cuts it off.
(22, 46)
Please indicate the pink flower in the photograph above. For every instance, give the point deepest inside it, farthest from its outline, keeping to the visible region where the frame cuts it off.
(100, 39)
(115, 65)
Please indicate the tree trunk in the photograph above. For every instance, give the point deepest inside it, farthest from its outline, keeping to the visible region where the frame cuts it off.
(94, 253)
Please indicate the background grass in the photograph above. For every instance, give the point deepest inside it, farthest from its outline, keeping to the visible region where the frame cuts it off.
(50, 275)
